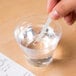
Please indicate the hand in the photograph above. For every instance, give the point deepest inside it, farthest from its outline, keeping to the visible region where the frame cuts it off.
(62, 8)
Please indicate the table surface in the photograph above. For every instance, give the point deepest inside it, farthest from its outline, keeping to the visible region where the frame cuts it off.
(11, 11)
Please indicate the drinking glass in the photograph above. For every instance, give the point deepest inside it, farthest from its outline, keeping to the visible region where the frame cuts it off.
(27, 31)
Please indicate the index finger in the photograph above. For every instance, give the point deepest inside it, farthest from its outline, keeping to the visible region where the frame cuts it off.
(51, 4)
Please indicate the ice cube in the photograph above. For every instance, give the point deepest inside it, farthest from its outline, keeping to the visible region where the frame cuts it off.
(36, 45)
(26, 35)
(50, 32)
(30, 34)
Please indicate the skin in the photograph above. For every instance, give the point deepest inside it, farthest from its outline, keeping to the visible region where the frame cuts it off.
(62, 8)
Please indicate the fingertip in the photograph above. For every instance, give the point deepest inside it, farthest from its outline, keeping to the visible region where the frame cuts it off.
(54, 15)
(69, 19)
(70, 23)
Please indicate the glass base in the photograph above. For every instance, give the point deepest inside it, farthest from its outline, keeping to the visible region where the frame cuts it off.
(40, 62)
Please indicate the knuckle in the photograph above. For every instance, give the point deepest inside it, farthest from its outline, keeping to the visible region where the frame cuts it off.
(62, 8)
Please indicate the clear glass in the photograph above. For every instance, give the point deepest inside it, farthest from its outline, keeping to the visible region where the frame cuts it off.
(28, 29)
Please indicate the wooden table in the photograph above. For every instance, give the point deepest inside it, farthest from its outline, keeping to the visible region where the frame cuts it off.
(65, 55)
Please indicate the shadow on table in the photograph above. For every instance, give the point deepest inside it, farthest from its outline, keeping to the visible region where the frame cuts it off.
(65, 53)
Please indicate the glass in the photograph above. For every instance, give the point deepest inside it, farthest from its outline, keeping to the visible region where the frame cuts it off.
(37, 53)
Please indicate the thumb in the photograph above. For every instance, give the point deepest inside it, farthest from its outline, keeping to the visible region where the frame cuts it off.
(63, 8)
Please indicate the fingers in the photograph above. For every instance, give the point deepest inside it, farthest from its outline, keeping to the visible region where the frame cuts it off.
(63, 8)
(70, 18)
(74, 15)
(51, 4)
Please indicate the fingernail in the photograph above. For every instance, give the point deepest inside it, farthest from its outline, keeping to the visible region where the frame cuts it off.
(54, 15)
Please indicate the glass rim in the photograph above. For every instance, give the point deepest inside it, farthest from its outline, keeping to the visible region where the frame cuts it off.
(20, 21)
(39, 16)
